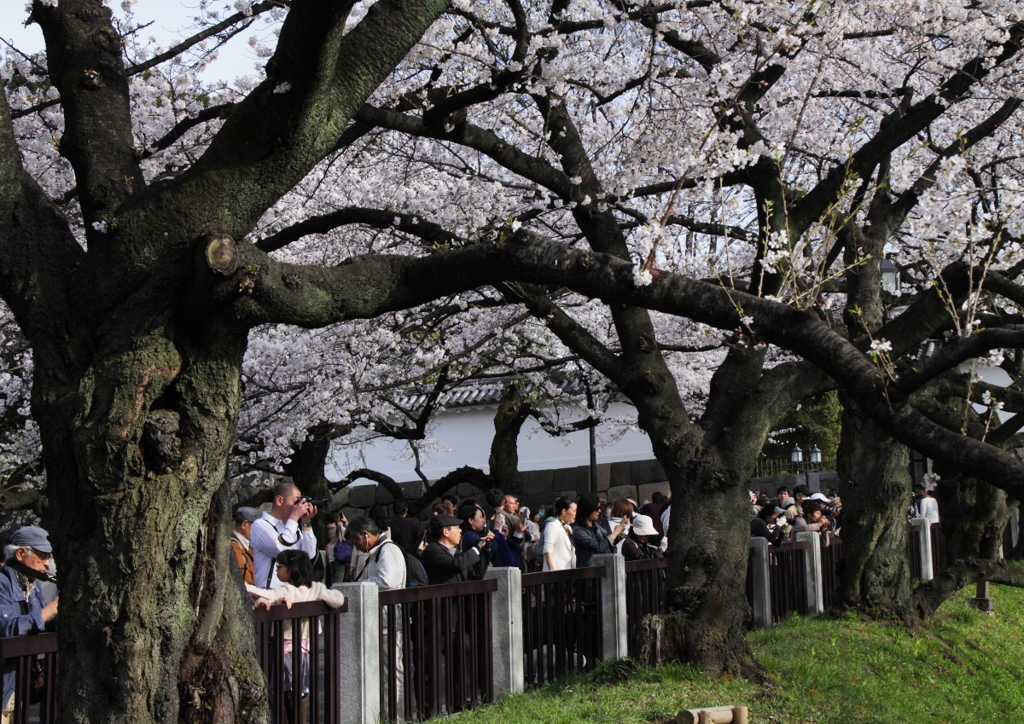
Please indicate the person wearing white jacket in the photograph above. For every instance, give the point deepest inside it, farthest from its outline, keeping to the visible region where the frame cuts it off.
(557, 549)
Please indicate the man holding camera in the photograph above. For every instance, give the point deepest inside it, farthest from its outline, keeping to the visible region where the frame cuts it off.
(442, 559)
(287, 526)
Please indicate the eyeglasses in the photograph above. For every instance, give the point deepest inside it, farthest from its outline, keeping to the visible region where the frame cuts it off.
(42, 556)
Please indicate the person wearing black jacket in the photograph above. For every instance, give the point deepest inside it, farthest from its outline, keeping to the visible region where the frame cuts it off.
(445, 563)
(763, 526)
(637, 546)
(405, 531)
(443, 560)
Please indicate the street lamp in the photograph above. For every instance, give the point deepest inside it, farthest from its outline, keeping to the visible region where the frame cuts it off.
(890, 277)
(815, 454)
(797, 456)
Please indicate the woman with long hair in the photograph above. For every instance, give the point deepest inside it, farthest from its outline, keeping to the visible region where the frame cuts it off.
(587, 536)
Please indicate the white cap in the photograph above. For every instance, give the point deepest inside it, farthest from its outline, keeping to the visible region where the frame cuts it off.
(821, 497)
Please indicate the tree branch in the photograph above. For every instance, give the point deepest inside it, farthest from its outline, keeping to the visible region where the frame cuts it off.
(930, 595)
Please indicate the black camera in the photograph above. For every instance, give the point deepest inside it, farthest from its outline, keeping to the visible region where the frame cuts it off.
(315, 503)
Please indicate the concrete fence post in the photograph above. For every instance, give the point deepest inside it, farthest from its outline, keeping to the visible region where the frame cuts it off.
(812, 571)
(761, 582)
(613, 607)
(360, 650)
(507, 631)
(927, 569)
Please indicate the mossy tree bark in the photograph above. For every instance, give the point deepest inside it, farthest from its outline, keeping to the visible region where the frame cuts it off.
(973, 517)
(138, 346)
(875, 490)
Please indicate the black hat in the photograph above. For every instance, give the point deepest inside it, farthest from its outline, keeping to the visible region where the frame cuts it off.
(447, 520)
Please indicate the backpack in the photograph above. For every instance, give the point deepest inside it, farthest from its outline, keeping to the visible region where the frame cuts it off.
(415, 573)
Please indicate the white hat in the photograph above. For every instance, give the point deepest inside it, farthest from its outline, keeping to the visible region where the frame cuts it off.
(643, 525)
(821, 497)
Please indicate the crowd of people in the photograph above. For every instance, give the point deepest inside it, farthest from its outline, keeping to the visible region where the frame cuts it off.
(801, 512)
(275, 550)
(459, 541)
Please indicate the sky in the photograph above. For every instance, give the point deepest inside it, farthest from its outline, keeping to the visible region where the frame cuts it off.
(170, 21)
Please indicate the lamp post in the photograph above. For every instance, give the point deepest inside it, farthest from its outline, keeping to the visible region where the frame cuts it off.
(890, 277)
(815, 454)
(797, 455)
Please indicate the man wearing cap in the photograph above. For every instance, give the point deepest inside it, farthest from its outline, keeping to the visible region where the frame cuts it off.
(22, 608)
(445, 563)
(443, 560)
(240, 534)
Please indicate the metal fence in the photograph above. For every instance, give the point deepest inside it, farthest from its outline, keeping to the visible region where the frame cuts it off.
(831, 571)
(316, 658)
(769, 468)
(645, 592)
(561, 623)
(35, 670)
(787, 578)
(435, 649)
(914, 552)
(939, 562)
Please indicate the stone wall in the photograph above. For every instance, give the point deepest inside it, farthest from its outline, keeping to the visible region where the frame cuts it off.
(817, 482)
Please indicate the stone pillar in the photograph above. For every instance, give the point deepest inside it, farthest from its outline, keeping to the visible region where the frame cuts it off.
(927, 570)
(360, 653)
(507, 631)
(613, 607)
(761, 582)
(983, 599)
(812, 571)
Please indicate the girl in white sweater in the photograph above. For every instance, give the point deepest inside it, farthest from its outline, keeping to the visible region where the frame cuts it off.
(295, 571)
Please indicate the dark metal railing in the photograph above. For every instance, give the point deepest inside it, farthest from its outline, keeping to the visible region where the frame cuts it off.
(561, 623)
(301, 683)
(32, 652)
(769, 468)
(645, 591)
(831, 571)
(788, 579)
(436, 653)
(914, 551)
(939, 562)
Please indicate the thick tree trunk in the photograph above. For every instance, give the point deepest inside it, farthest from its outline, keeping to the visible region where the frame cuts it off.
(875, 489)
(973, 515)
(153, 625)
(708, 548)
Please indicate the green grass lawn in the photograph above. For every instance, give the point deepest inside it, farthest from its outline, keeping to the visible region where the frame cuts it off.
(961, 667)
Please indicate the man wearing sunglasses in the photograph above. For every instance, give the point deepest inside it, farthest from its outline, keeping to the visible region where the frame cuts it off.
(22, 607)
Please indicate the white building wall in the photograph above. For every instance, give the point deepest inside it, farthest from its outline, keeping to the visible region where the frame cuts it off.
(463, 437)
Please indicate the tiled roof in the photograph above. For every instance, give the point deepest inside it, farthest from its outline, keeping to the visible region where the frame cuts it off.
(476, 393)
